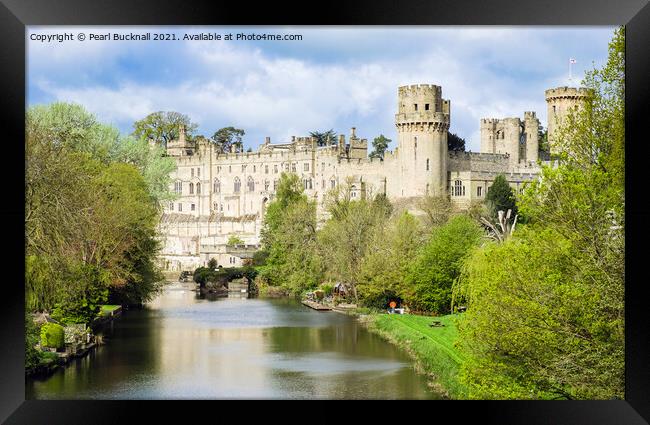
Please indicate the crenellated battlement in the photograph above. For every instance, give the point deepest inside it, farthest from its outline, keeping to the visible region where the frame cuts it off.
(420, 90)
(567, 92)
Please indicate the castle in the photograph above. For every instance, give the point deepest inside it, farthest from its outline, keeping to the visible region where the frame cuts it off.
(226, 194)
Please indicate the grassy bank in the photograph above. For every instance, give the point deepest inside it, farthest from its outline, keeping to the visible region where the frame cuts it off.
(431, 347)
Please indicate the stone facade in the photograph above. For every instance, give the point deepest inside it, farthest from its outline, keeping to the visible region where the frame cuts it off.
(559, 102)
(225, 194)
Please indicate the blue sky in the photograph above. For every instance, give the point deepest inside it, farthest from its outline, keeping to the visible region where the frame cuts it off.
(335, 77)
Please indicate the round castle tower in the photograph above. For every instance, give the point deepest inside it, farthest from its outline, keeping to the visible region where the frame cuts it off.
(422, 122)
(559, 101)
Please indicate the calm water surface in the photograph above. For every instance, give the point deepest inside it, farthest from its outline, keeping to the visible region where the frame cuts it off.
(182, 346)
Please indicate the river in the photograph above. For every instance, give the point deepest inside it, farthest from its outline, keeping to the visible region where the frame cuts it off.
(181, 346)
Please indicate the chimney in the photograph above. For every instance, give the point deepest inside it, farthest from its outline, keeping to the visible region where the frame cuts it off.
(267, 140)
(353, 134)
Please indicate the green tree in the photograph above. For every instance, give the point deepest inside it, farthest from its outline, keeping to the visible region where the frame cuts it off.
(346, 237)
(323, 137)
(379, 144)
(385, 266)
(455, 142)
(545, 317)
(228, 138)
(500, 197)
(431, 277)
(163, 126)
(234, 240)
(437, 209)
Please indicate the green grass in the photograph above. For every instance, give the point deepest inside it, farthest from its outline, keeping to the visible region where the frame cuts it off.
(431, 347)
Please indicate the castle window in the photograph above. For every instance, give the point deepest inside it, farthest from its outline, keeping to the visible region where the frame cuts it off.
(198, 188)
(415, 106)
(254, 168)
(266, 185)
(180, 207)
(251, 184)
(306, 166)
(191, 188)
(553, 109)
(171, 206)
(427, 193)
(237, 185)
(427, 164)
(479, 191)
(218, 169)
(286, 167)
(198, 172)
(243, 168)
(426, 106)
(192, 207)
(333, 183)
(275, 169)
(230, 168)
(216, 186)
(192, 171)
(459, 189)
(266, 169)
(215, 206)
(293, 167)
(178, 187)
(307, 183)
(221, 207)
(275, 185)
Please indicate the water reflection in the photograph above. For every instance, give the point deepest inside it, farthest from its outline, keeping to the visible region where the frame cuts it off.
(186, 346)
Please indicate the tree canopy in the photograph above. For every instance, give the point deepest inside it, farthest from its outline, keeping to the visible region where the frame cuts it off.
(229, 138)
(379, 144)
(163, 126)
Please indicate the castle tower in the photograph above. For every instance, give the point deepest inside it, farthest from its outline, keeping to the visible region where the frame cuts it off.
(488, 135)
(559, 101)
(531, 131)
(422, 122)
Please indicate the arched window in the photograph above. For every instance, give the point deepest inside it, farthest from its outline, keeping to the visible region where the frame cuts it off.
(266, 185)
(178, 187)
(427, 164)
(237, 185)
(191, 188)
(251, 184)
(198, 188)
(216, 186)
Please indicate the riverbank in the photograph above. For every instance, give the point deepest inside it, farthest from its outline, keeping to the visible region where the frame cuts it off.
(432, 348)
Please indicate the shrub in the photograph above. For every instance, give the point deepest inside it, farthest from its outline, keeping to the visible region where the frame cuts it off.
(52, 336)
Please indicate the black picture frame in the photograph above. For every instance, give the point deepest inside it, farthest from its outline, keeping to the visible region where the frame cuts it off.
(15, 15)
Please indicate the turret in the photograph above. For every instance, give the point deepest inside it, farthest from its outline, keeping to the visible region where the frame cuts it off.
(422, 122)
(560, 101)
(531, 132)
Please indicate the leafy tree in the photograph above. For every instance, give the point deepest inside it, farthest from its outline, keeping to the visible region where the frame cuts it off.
(500, 197)
(228, 138)
(346, 236)
(437, 209)
(379, 144)
(431, 277)
(455, 143)
(384, 267)
(323, 137)
(234, 240)
(213, 264)
(545, 317)
(163, 126)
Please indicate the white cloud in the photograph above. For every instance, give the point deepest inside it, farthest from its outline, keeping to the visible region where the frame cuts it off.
(486, 72)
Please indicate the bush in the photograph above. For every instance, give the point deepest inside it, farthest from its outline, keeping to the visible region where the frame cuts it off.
(52, 336)
(327, 289)
(259, 258)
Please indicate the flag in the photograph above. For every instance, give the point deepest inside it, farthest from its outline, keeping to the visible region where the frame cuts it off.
(572, 60)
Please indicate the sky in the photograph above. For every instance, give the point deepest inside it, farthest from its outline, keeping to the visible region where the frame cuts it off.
(334, 78)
